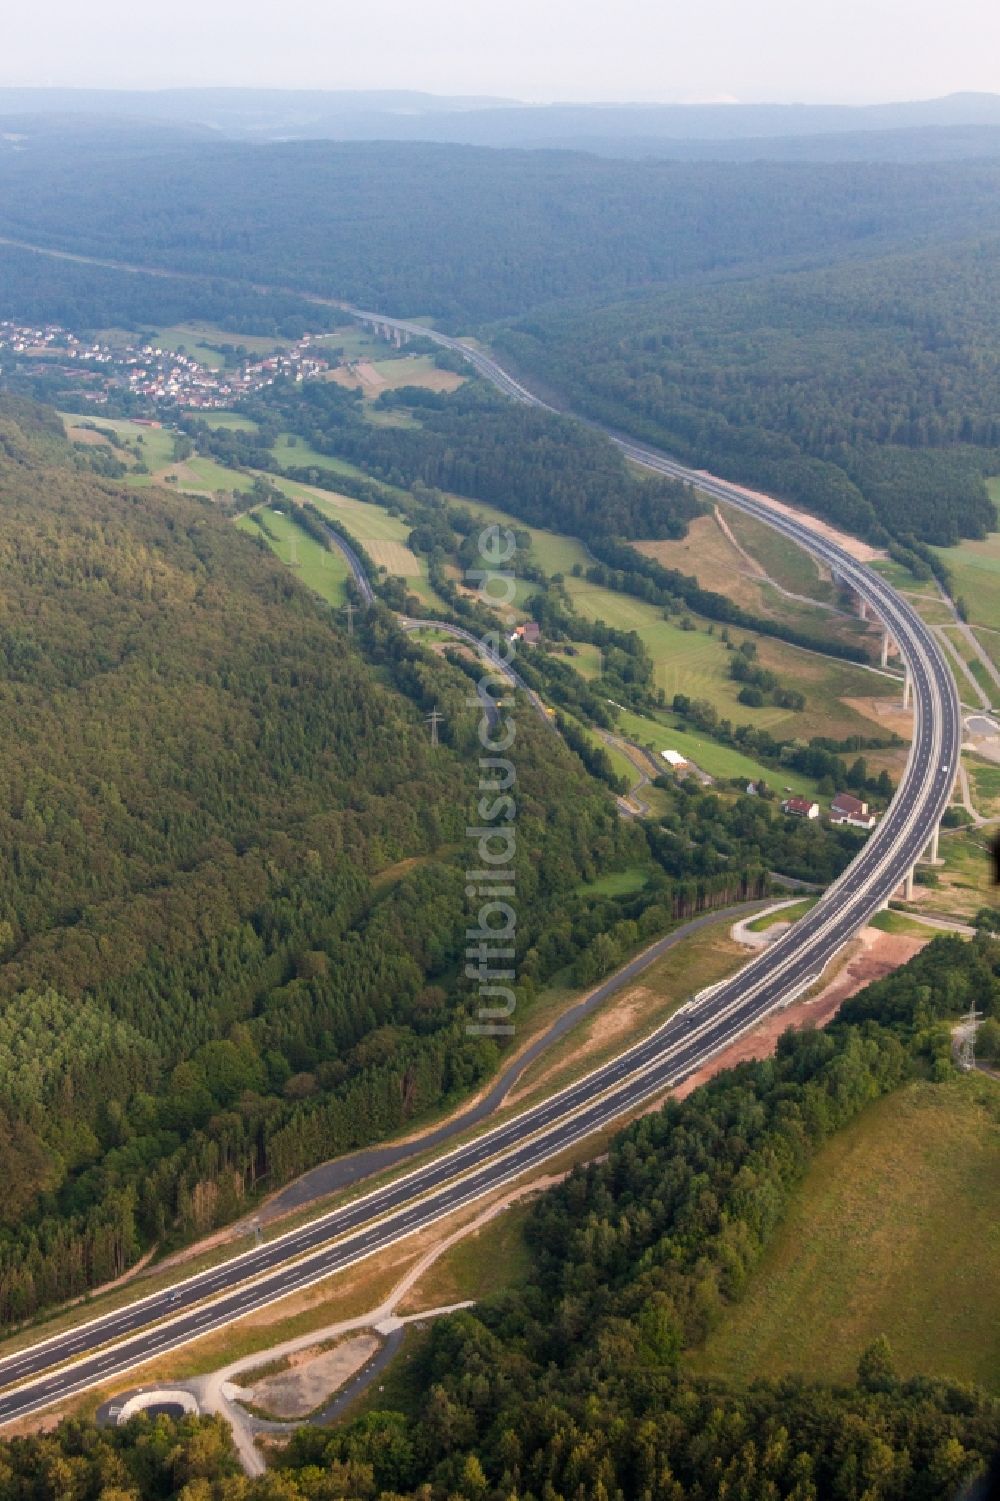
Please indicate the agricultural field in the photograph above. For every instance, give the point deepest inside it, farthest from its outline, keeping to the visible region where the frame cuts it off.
(384, 537)
(367, 522)
(324, 572)
(894, 1231)
(696, 662)
(380, 371)
(417, 370)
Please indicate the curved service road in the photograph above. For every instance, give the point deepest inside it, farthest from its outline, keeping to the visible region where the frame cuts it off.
(96, 1352)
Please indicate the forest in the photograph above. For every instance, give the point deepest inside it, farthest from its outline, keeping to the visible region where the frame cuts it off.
(864, 392)
(467, 234)
(574, 1384)
(551, 471)
(825, 331)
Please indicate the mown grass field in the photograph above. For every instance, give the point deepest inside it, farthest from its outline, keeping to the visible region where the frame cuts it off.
(208, 475)
(975, 567)
(354, 341)
(896, 1231)
(292, 452)
(588, 659)
(231, 421)
(366, 522)
(325, 572)
(620, 882)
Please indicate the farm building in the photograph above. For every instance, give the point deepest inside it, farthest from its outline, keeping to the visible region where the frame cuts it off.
(800, 807)
(848, 809)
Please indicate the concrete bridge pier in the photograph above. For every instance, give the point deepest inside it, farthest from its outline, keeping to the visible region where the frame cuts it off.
(907, 688)
(888, 645)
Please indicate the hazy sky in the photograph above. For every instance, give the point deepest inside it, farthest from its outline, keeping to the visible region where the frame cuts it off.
(850, 50)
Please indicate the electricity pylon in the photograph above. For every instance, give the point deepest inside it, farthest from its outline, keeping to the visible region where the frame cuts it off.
(967, 1046)
(434, 718)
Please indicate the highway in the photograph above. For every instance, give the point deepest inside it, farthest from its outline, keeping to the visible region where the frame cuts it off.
(104, 1348)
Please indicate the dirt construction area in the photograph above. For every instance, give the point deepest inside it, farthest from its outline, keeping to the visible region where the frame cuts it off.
(873, 956)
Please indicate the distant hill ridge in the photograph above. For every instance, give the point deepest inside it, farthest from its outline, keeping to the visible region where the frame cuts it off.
(956, 124)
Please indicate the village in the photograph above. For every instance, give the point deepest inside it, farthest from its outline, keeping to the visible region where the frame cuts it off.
(99, 368)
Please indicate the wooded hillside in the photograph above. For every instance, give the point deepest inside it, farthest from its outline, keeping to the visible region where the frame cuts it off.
(201, 988)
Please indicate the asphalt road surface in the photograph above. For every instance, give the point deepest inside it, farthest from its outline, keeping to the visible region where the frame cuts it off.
(105, 1348)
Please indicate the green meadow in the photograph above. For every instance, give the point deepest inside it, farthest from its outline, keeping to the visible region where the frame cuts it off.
(325, 572)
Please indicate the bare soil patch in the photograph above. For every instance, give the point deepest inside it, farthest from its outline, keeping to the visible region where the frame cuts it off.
(312, 1376)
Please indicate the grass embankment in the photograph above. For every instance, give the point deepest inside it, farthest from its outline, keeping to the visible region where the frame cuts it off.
(985, 787)
(788, 565)
(691, 965)
(895, 1230)
(965, 880)
(783, 915)
(898, 922)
